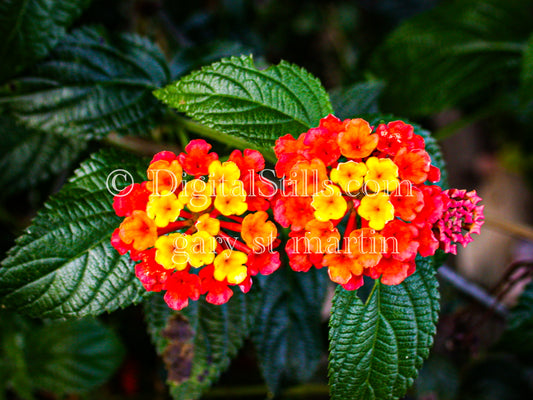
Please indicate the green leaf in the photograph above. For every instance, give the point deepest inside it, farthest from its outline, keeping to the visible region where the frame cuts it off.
(287, 332)
(13, 361)
(64, 265)
(90, 86)
(72, 357)
(30, 28)
(234, 97)
(67, 357)
(377, 347)
(356, 100)
(461, 52)
(198, 343)
(28, 156)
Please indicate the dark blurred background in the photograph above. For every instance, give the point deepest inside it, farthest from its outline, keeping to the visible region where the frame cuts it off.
(461, 69)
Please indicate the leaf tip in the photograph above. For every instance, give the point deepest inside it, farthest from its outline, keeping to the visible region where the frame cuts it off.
(160, 94)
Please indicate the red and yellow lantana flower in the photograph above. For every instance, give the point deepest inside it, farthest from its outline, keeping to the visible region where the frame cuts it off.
(359, 200)
(373, 187)
(196, 226)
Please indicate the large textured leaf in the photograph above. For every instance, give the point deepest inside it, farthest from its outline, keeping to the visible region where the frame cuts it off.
(30, 28)
(90, 86)
(13, 361)
(28, 156)
(65, 357)
(462, 51)
(236, 98)
(287, 333)
(198, 343)
(73, 356)
(356, 100)
(377, 347)
(64, 265)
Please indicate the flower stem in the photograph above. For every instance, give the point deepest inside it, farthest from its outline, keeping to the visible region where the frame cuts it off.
(232, 226)
(138, 145)
(174, 226)
(514, 229)
(223, 137)
(234, 243)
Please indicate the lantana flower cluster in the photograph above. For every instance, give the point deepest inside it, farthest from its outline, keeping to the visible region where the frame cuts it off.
(360, 200)
(196, 225)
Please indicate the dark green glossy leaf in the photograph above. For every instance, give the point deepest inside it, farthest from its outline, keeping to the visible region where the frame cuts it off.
(198, 343)
(376, 348)
(461, 52)
(28, 156)
(31, 28)
(90, 86)
(236, 98)
(61, 358)
(72, 357)
(287, 334)
(356, 100)
(64, 265)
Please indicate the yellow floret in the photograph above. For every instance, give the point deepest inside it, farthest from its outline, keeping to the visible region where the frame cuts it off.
(171, 251)
(382, 175)
(377, 209)
(164, 208)
(201, 249)
(231, 198)
(230, 265)
(196, 195)
(349, 175)
(329, 203)
(225, 172)
(208, 224)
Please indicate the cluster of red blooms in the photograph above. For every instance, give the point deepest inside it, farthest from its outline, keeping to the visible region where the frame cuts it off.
(194, 227)
(362, 202)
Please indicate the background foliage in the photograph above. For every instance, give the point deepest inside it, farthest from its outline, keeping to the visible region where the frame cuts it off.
(76, 102)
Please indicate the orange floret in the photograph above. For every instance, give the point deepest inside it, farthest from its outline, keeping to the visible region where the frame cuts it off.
(357, 141)
(257, 232)
(307, 177)
(139, 230)
(321, 237)
(164, 175)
